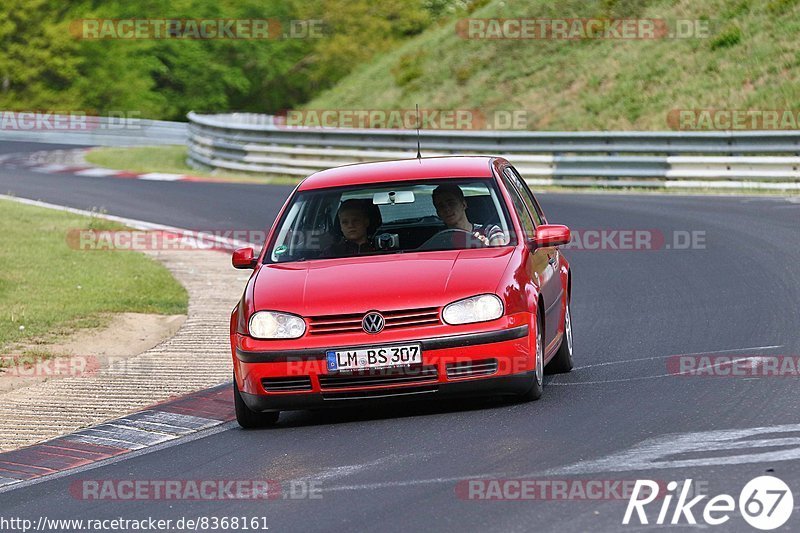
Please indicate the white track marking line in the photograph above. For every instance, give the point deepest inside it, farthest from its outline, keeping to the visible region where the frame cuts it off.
(661, 452)
(50, 168)
(347, 470)
(412, 482)
(756, 358)
(161, 176)
(96, 172)
(678, 354)
(710, 441)
(135, 224)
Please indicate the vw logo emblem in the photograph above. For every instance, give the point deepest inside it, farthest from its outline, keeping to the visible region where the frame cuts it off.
(373, 323)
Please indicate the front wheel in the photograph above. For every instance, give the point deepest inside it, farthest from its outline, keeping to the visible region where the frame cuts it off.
(535, 392)
(246, 417)
(562, 361)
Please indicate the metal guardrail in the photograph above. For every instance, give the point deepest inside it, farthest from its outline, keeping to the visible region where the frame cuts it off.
(95, 131)
(260, 144)
(257, 143)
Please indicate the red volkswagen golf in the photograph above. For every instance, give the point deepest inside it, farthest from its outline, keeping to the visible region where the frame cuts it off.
(401, 279)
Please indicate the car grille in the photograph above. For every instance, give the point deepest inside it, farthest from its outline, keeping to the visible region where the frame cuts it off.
(379, 377)
(288, 384)
(405, 318)
(464, 369)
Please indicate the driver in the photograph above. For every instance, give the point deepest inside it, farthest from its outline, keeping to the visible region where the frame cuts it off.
(448, 199)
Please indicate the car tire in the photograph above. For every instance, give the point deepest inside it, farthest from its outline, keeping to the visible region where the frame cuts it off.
(535, 392)
(562, 361)
(249, 419)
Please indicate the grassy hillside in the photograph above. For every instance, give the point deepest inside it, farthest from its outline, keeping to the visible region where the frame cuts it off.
(750, 61)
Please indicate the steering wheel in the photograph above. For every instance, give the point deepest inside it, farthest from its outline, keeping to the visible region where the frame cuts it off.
(444, 239)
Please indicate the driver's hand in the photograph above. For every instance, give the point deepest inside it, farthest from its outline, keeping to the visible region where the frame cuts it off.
(483, 238)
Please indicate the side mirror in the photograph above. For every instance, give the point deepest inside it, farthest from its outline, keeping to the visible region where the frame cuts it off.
(243, 258)
(548, 235)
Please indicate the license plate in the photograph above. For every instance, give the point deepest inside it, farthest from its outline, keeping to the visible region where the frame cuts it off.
(378, 357)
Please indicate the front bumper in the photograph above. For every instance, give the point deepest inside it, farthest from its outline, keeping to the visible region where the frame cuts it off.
(509, 349)
(509, 385)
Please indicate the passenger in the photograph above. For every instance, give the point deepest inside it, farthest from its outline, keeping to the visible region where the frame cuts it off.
(358, 220)
(451, 206)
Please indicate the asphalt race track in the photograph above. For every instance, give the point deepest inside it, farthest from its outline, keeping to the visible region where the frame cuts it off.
(398, 468)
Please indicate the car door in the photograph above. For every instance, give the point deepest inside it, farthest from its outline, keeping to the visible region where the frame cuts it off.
(545, 259)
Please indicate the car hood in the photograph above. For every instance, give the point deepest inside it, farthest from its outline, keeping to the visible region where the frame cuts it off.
(388, 282)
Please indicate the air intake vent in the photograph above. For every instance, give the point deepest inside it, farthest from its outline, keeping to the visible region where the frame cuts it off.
(465, 369)
(379, 377)
(380, 393)
(290, 384)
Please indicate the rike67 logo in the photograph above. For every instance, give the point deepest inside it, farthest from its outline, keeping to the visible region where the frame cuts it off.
(765, 503)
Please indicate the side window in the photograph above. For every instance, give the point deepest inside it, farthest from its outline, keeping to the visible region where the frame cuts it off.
(525, 192)
(519, 206)
(539, 212)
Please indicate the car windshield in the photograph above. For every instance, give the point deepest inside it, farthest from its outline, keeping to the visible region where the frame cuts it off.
(392, 218)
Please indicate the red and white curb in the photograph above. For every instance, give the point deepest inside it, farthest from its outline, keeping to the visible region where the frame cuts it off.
(167, 421)
(33, 163)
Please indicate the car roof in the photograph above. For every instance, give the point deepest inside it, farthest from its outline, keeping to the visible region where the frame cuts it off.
(401, 170)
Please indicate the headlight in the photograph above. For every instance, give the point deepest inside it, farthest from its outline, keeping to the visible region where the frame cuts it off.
(272, 325)
(475, 309)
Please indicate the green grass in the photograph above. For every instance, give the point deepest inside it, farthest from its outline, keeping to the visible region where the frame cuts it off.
(142, 159)
(169, 159)
(750, 61)
(48, 289)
